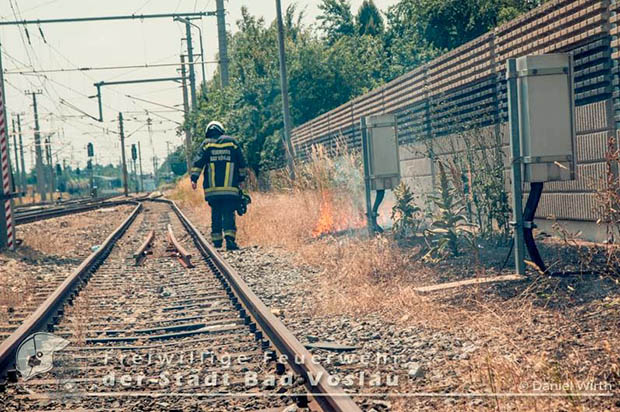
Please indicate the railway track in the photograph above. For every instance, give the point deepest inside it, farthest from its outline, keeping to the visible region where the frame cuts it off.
(157, 320)
(34, 214)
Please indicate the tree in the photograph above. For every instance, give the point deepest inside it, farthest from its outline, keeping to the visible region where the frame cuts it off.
(405, 44)
(336, 19)
(446, 24)
(369, 19)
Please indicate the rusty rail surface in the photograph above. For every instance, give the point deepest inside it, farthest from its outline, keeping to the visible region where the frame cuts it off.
(30, 213)
(142, 251)
(328, 397)
(180, 252)
(52, 212)
(42, 318)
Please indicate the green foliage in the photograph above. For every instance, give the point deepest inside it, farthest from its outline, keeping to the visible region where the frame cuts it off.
(174, 163)
(446, 24)
(336, 19)
(405, 214)
(369, 20)
(320, 78)
(405, 45)
(449, 225)
(477, 172)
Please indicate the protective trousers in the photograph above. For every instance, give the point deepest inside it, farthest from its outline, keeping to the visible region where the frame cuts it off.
(223, 219)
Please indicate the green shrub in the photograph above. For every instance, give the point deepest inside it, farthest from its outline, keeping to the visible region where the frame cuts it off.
(405, 214)
(449, 226)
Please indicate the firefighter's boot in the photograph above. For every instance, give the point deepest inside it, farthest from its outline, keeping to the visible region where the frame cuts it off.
(231, 244)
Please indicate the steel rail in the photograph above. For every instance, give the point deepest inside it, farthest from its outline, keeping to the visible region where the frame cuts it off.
(181, 253)
(71, 201)
(141, 253)
(329, 397)
(49, 213)
(43, 317)
(71, 207)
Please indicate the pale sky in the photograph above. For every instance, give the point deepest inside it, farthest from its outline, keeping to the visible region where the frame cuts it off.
(116, 43)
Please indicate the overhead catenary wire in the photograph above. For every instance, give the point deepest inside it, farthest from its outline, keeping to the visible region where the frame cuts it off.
(65, 105)
(85, 69)
(51, 91)
(155, 103)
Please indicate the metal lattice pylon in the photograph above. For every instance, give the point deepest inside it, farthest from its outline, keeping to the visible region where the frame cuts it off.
(6, 178)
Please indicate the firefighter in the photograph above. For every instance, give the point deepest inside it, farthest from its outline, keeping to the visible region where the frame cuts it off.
(224, 168)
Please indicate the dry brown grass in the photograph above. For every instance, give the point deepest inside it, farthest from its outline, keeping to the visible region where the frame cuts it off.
(361, 276)
(274, 219)
(36, 198)
(524, 343)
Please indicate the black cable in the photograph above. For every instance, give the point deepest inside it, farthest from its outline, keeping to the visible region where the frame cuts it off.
(533, 200)
(512, 244)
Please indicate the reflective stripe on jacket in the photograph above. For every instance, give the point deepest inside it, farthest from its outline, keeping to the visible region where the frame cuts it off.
(224, 167)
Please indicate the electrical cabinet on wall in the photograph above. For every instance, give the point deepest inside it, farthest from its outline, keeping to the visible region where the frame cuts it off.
(547, 117)
(382, 155)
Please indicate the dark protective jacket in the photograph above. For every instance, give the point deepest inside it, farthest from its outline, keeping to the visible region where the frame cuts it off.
(224, 168)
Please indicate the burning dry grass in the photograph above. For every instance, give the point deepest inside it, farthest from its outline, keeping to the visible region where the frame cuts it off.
(324, 198)
(281, 219)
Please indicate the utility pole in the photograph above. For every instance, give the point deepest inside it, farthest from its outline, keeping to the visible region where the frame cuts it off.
(141, 174)
(41, 184)
(32, 162)
(50, 167)
(168, 158)
(156, 166)
(90, 152)
(517, 178)
(190, 57)
(91, 176)
(18, 175)
(135, 175)
(123, 158)
(223, 41)
(286, 111)
(188, 137)
(149, 123)
(21, 153)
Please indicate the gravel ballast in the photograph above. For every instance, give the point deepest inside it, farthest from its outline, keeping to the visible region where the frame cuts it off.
(49, 251)
(390, 357)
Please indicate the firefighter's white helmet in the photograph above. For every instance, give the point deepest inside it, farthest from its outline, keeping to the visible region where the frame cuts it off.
(215, 127)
